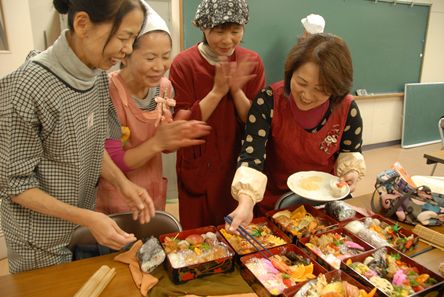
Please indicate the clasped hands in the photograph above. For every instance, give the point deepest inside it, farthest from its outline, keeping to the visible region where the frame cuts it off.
(231, 76)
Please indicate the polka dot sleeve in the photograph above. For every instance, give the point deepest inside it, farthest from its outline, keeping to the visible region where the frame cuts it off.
(257, 131)
(352, 137)
(258, 127)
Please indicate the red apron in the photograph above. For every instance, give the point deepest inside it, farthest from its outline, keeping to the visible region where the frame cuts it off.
(142, 127)
(292, 149)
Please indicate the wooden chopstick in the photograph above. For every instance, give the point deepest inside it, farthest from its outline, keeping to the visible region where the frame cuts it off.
(250, 238)
(104, 282)
(97, 282)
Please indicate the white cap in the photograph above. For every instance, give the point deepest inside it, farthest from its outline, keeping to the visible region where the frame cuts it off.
(313, 23)
(153, 21)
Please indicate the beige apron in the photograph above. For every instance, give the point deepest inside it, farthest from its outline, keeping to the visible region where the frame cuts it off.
(141, 125)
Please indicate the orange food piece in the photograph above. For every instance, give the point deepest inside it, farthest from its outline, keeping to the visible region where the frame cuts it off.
(298, 272)
(331, 294)
(341, 184)
(194, 239)
(422, 278)
(309, 269)
(299, 213)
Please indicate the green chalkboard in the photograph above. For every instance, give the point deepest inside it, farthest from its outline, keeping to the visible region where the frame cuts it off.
(386, 39)
(423, 107)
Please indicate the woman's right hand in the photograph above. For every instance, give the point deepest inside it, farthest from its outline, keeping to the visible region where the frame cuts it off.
(106, 231)
(242, 215)
(174, 135)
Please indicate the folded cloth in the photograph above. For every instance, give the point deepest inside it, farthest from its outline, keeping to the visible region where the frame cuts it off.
(144, 281)
(229, 283)
(232, 295)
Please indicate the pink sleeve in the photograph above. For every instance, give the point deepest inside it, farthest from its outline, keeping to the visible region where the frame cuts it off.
(116, 152)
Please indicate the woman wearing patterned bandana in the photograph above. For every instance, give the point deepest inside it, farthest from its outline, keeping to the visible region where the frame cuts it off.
(215, 80)
(55, 114)
(309, 121)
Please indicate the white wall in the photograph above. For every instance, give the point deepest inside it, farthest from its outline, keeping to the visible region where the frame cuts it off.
(19, 33)
(176, 25)
(433, 63)
(45, 23)
(382, 118)
(170, 12)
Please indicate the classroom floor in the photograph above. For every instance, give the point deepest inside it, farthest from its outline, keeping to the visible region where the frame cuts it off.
(377, 160)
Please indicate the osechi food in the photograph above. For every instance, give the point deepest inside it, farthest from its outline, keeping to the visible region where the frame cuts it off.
(280, 272)
(320, 287)
(378, 233)
(260, 232)
(299, 222)
(391, 275)
(339, 210)
(194, 249)
(334, 247)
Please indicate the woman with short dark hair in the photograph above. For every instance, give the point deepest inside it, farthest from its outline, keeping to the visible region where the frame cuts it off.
(307, 122)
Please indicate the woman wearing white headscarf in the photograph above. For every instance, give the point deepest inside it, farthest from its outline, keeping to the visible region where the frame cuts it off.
(142, 97)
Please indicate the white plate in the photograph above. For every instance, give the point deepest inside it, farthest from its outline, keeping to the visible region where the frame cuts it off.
(314, 185)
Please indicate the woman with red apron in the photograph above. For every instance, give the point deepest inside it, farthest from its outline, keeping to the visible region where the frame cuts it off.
(308, 122)
(200, 79)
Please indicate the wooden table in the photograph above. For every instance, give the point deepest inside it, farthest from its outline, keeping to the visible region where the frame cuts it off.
(434, 158)
(66, 279)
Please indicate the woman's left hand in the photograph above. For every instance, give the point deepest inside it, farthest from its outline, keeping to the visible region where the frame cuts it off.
(240, 73)
(351, 178)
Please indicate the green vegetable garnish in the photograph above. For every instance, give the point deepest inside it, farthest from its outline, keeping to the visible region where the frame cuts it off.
(396, 256)
(256, 233)
(413, 282)
(431, 281)
(285, 276)
(205, 246)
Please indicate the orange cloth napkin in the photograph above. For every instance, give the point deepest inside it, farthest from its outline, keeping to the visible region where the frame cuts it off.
(144, 281)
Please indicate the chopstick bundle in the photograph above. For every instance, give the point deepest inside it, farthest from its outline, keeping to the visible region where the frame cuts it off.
(97, 282)
(432, 237)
